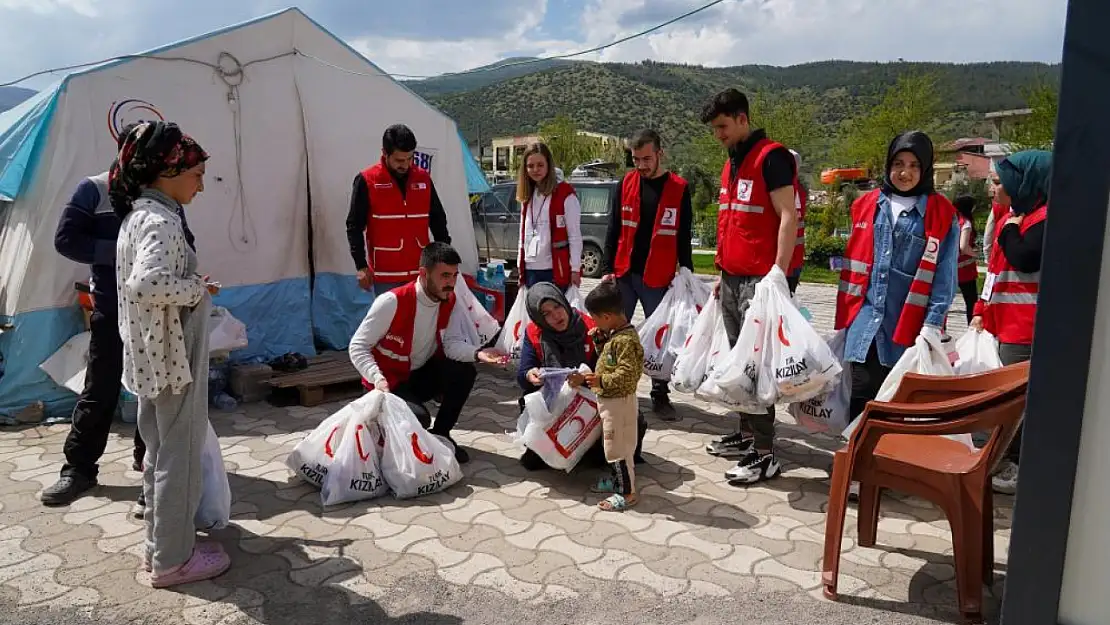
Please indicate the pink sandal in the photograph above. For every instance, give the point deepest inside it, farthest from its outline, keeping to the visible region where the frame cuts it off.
(206, 545)
(201, 566)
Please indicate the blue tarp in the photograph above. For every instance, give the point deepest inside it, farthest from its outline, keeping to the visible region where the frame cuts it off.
(475, 179)
(23, 130)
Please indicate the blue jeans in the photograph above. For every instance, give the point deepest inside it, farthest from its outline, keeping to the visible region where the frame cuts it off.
(633, 291)
(532, 277)
(381, 288)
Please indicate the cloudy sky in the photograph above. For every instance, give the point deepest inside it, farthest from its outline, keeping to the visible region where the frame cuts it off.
(433, 36)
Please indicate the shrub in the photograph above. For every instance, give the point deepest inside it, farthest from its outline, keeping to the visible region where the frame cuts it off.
(820, 249)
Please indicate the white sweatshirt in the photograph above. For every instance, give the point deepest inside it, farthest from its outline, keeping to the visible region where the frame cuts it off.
(537, 225)
(378, 320)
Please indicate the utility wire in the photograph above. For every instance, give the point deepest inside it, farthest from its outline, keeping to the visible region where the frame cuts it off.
(477, 70)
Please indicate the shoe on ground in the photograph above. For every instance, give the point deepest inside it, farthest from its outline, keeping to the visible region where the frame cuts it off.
(201, 566)
(67, 489)
(663, 408)
(140, 506)
(531, 461)
(754, 467)
(461, 454)
(1004, 481)
(732, 446)
(137, 466)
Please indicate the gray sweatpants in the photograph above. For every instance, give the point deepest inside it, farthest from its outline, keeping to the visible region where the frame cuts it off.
(736, 296)
(174, 428)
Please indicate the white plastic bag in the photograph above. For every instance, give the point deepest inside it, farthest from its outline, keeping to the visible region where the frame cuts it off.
(744, 361)
(313, 456)
(67, 365)
(927, 357)
(562, 432)
(355, 473)
(225, 333)
(691, 295)
(515, 323)
(574, 298)
(470, 319)
(692, 359)
(414, 461)
(829, 411)
(655, 337)
(801, 363)
(978, 353)
(214, 511)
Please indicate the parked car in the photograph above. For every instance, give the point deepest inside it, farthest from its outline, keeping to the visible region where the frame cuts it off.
(496, 218)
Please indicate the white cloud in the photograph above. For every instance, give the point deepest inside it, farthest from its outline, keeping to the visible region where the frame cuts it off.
(86, 8)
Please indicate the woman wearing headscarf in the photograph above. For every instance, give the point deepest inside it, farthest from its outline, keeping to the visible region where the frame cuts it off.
(558, 336)
(1008, 304)
(899, 273)
(967, 269)
(163, 320)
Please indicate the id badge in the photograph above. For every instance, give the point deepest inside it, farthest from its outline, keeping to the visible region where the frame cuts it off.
(988, 286)
(533, 248)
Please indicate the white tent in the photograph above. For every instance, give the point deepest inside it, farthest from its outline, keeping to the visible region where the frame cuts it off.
(289, 114)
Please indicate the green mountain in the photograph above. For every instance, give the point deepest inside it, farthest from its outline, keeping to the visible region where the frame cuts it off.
(484, 76)
(619, 98)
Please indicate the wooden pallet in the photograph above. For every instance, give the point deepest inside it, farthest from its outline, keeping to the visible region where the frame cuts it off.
(329, 377)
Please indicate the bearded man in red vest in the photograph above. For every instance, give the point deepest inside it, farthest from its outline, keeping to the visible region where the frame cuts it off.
(393, 205)
(757, 229)
(404, 345)
(649, 236)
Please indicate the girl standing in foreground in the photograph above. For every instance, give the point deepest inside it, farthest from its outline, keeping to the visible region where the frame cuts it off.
(550, 223)
(163, 321)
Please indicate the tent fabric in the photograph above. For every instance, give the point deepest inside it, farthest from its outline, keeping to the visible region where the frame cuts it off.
(475, 179)
(285, 139)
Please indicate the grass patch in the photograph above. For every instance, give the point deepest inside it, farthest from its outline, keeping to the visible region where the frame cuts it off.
(703, 263)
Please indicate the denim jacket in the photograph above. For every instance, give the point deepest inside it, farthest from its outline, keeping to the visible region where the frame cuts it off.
(898, 250)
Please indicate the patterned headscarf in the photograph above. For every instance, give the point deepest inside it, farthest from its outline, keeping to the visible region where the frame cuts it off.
(151, 150)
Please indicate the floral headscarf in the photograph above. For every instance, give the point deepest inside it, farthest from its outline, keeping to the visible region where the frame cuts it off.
(151, 150)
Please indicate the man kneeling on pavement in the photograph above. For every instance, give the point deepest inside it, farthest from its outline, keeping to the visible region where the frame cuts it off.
(404, 347)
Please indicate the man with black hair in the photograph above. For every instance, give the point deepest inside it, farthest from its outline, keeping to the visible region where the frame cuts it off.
(649, 237)
(86, 234)
(393, 205)
(404, 345)
(757, 228)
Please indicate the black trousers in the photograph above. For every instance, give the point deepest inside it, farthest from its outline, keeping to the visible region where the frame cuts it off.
(92, 417)
(1010, 354)
(867, 379)
(448, 380)
(970, 291)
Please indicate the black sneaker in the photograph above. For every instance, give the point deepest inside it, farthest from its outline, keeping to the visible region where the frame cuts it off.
(137, 466)
(140, 506)
(531, 461)
(67, 489)
(460, 454)
(754, 467)
(662, 407)
(735, 445)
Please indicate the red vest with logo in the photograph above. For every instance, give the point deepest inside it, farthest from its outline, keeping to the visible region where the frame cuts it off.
(1012, 309)
(800, 201)
(396, 225)
(859, 258)
(560, 241)
(747, 224)
(966, 270)
(663, 255)
(532, 332)
(394, 349)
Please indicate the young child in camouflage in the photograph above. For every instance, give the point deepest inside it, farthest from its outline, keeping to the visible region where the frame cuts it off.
(619, 366)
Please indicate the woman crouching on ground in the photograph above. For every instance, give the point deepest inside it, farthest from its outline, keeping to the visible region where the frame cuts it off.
(164, 307)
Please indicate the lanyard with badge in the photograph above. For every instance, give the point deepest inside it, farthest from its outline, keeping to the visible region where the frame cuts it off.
(534, 240)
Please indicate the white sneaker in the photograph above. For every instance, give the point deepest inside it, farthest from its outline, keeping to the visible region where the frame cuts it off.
(754, 467)
(1004, 481)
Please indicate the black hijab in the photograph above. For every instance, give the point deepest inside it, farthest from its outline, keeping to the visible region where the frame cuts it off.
(560, 349)
(920, 145)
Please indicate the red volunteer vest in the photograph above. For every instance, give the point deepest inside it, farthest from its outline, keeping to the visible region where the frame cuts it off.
(1012, 308)
(663, 255)
(966, 270)
(393, 350)
(800, 201)
(396, 225)
(532, 332)
(560, 242)
(859, 257)
(747, 225)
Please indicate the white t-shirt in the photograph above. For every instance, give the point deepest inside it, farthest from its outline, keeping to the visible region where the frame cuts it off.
(900, 204)
(537, 232)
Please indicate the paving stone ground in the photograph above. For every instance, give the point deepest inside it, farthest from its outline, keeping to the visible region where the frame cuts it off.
(503, 545)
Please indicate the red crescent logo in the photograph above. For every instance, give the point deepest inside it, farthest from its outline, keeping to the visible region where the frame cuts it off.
(516, 331)
(419, 453)
(659, 335)
(782, 336)
(934, 245)
(327, 444)
(358, 443)
(757, 346)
